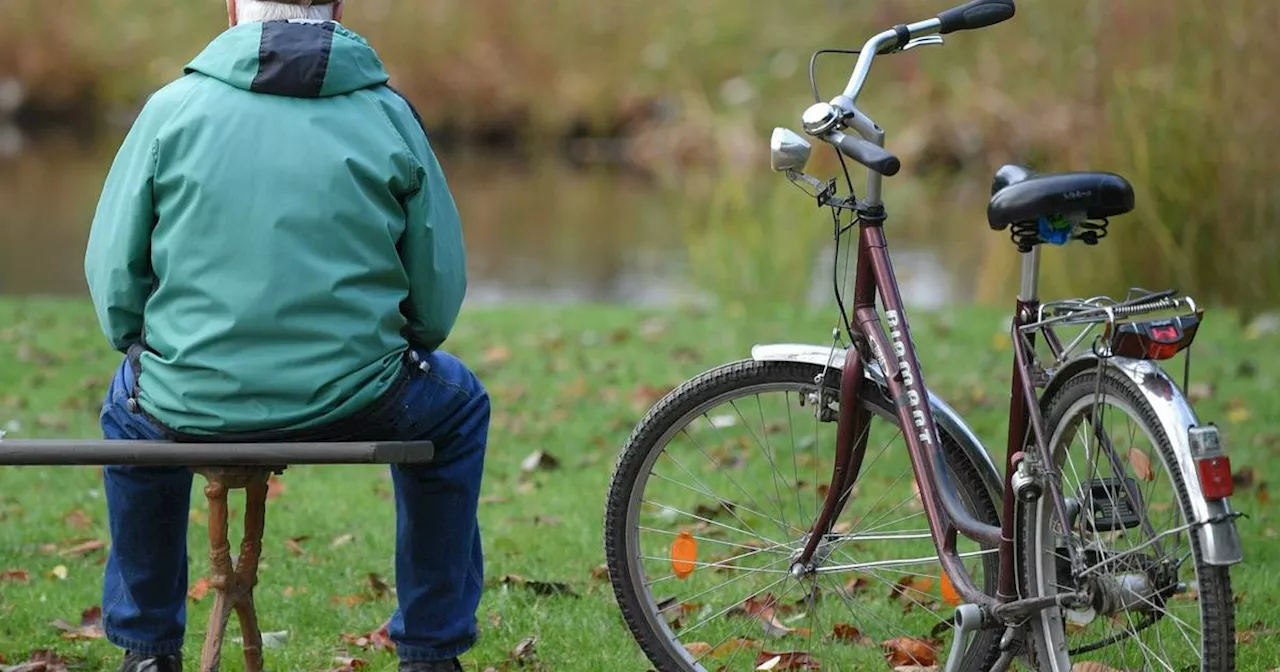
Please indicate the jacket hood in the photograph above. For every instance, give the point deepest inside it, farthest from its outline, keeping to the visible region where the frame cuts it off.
(300, 59)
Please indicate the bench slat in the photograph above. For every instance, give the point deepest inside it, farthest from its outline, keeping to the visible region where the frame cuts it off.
(62, 452)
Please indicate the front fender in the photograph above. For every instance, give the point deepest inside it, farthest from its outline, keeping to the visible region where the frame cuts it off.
(1219, 540)
(946, 417)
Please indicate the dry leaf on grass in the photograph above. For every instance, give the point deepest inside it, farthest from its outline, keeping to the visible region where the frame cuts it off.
(341, 540)
(15, 575)
(377, 640)
(78, 519)
(90, 625)
(294, 544)
(526, 651)
(1141, 465)
(790, 660)
(346, 664)
(539, 587)
(910, 651)
(199, 589)
(42, 660)
(539, 460)
(275, 487)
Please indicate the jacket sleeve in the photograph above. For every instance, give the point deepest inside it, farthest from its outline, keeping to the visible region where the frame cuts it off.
(117, 261)
(433, 253)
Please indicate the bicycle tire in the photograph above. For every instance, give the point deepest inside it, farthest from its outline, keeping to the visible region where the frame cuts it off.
(742, 375)
(1214, 583)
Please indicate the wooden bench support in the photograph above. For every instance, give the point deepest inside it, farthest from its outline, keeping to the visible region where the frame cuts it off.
(233, 584)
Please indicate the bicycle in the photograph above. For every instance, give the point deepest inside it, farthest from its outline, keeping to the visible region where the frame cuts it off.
(1040, 562)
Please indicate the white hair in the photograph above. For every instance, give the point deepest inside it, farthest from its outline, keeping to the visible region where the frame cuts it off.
(264, 10)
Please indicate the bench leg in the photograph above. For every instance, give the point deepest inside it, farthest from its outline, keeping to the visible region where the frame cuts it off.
(233, 584)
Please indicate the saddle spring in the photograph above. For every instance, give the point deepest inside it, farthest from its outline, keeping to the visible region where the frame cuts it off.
(1029, 233)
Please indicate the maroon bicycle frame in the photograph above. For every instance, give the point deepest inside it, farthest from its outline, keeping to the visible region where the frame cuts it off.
(896, 354)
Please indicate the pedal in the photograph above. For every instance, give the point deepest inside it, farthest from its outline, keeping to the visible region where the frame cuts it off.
(1107, 502)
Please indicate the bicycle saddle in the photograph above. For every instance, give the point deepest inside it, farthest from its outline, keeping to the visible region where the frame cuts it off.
(1019, 194)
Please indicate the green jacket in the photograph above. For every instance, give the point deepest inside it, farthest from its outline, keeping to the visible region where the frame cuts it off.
(278, 230)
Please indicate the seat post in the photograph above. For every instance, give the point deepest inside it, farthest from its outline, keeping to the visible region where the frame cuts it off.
(1029, 289)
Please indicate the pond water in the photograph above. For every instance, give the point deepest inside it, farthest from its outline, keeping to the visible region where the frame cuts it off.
(537, 229)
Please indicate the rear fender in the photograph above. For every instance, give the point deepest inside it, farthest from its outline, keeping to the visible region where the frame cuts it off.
(945, 417)
(1215, 522)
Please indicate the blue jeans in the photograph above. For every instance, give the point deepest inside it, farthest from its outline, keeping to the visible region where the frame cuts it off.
(439, 567)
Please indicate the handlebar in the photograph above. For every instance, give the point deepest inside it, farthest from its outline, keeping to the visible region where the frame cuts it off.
(869, 151)
(872, 156)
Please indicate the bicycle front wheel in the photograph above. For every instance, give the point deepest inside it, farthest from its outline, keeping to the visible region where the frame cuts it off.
(1156, 604)
(713, 497)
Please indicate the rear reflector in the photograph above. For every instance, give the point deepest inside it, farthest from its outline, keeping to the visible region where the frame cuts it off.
(1215, 477)
(1212, 462)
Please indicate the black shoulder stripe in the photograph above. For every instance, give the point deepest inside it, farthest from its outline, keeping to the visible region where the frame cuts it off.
(293, 58)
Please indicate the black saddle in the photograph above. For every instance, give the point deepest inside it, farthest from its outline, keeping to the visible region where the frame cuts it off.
(1019, 194)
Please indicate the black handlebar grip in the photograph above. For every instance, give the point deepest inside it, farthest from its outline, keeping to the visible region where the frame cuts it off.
(976, 14)
(870, 155)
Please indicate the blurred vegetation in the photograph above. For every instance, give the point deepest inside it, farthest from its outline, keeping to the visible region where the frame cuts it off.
(1174, 94)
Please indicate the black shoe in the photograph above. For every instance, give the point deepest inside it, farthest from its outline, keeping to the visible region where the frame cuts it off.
(451, 665)
(141, 662)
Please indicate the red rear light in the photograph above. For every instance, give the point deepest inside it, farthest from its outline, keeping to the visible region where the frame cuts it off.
(1215, 477)
(1212, 463)
(1155, 339)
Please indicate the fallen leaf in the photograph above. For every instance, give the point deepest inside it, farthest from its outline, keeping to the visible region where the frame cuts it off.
(539, 460)
(350, 600)
(599, 572)
(294, 544)
(346, 664)
(790, 660)
(275, 488)
(78, 519)
(1091, 666)
(917, 668)
(674, 612)
(949, 593)
(41, 660)
(15, 575)
(848, 633)
(494, 499)
(842, 527)
(1198, 392)
(538, 587)
(495, 355)
(698, 649)
(711, 512)
(733, 646)
(1237, 411)
(83, 548)
(90, 625)
(378, 585)
(910, 651)
(912, 589)
(199, 589)
(59, 572)
(526, 651)
(857, 585)
(495, 619)
(1141, 465)
(377, 640)
(341, 540)
(1243, 477)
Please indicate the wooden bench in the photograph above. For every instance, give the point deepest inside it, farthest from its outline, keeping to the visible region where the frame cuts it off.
(224, 466)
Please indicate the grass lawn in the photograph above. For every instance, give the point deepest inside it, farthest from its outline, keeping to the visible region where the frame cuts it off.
(568, 381)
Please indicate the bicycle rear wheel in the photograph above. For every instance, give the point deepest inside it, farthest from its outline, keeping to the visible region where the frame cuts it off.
(712, 497)
(1151, 610)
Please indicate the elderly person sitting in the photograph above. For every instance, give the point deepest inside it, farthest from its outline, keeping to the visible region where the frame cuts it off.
(278, 255)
